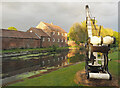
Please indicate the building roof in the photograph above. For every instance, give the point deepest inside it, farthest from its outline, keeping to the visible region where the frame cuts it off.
(54, 27)
(38, 32)
(16, 34)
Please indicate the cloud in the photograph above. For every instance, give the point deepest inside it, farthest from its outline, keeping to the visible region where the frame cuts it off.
(24, 15)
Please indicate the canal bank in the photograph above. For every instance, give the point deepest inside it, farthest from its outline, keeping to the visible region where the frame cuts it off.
(60, 77)
(20, 67)
(65, 76)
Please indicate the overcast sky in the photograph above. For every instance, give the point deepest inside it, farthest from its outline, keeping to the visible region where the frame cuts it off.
(24, 15)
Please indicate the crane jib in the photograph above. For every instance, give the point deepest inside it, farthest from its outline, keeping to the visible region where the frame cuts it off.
(96, 44)
(88, 23)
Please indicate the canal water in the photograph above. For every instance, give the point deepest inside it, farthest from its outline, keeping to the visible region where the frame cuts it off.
(18, 67)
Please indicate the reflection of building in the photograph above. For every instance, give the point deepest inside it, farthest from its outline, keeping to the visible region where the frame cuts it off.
(44, 35)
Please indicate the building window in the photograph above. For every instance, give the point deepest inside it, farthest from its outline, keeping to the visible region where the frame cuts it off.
(43, 39)
(53, 32)
(62, 34)
(31, 31)
(58, 33)
(65, 34)
(58, 40)
(53, 40)
(48, 39)
(65, 40)
(62, 40)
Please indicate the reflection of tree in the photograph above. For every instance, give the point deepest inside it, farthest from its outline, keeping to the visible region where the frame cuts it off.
(76, 58)
(72, 52)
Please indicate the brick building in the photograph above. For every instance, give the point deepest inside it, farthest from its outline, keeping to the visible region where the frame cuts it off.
(58, 36)
(44, 35)
(17, 39)
(45, 38)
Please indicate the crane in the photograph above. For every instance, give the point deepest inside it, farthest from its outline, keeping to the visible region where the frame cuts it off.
(96, 66)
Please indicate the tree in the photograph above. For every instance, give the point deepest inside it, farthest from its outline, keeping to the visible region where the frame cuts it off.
(78, 33)
(12, 28)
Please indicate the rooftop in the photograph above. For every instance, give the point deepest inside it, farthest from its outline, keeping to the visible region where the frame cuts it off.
(39, 32)
(54, 27)
(16, 34)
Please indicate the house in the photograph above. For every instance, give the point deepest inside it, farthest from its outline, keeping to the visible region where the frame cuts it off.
(58, 36)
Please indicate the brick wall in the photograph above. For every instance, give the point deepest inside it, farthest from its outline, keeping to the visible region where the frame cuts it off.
(58, 40)
(10, 43)
(46, 41)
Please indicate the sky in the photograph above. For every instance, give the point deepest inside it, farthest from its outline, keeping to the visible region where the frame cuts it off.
(23, 15)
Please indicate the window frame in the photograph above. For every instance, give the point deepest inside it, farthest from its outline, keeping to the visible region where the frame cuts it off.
(48, 39)
(53, 39)
(43, 39)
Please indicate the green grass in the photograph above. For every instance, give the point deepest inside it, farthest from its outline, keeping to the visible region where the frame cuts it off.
(114, 65)
(61, 77)
(21, 50)
(114, 56)
(34, 49)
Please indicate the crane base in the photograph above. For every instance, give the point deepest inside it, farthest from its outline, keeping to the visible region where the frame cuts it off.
(99, 76)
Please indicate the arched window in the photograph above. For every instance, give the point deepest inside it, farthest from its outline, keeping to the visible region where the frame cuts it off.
(53, 40)
(48, 39)
(58, 33)
(65, 34)
(62, 40)
(65, 40)
(62, 34)
(43, 39)
(58, 40)
(53, 32)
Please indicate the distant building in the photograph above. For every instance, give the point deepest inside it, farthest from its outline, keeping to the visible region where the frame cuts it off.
(44, 35)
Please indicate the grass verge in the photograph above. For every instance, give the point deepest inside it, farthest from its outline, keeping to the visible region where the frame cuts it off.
(114, 65)
(35, 49)
(61, 77)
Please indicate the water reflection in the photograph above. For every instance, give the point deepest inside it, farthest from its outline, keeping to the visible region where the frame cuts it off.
(17, 66)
